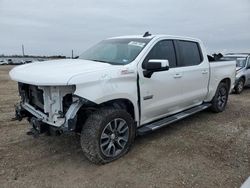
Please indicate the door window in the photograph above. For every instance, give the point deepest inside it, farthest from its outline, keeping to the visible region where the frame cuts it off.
(163, 50)
(189, 53)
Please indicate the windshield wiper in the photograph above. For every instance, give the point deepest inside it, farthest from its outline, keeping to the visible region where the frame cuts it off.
(102, 61)
(99, 61)
(111, 63)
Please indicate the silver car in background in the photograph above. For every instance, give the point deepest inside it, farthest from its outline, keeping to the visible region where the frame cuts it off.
(242, 70)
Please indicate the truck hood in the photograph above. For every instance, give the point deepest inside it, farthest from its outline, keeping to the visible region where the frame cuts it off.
(55, 72)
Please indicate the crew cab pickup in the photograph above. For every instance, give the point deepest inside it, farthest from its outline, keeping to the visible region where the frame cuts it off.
(120, 88)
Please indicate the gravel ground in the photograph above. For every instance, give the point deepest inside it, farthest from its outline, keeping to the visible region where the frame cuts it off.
(205, 150)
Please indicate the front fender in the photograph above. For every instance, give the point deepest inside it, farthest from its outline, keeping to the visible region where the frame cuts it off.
(108, 86)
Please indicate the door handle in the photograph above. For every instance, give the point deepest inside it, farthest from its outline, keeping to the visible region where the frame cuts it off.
(177, 75)
(204, 72)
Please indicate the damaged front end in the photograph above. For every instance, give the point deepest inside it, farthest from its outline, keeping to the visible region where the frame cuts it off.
(48, 108)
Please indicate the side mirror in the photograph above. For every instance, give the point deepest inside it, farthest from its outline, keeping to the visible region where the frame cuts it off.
(155, 65)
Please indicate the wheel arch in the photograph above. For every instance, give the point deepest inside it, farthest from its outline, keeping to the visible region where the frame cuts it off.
(238, 87)
(121, 103)
(244, 78)
(214, 85)
(118, 103)
(226, 81)
(220, 99)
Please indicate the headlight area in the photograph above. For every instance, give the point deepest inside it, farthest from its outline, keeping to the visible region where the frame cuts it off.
(48, 107)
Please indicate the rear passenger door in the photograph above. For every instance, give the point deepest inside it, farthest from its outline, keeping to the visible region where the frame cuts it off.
(192, 72)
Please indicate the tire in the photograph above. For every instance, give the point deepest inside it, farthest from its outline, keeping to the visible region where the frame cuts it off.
(240, 86)
(220, 99)
(105, 137)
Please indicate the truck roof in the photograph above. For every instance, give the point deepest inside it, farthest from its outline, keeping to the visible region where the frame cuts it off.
(156, 37)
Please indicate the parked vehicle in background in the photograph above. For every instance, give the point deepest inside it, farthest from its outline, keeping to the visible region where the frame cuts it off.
(242, 69)
(120, 88)
(3, 62)
(10, 62)
(21, 62)
(28, 61)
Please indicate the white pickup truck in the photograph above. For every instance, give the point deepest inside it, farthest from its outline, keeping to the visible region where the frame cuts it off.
(120, 88)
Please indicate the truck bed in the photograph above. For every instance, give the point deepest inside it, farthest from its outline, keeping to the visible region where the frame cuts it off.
(218, 71)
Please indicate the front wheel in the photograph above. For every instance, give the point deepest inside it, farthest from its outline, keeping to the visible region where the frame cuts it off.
(220, 99)
(240, 86)
(107, 135)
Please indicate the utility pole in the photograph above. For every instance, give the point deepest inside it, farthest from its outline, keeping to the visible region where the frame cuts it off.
(72, 54)
(23, 49)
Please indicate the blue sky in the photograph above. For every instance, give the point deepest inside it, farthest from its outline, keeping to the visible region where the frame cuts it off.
(55, 27)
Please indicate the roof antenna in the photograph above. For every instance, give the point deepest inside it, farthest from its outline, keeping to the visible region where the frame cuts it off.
(147, 34)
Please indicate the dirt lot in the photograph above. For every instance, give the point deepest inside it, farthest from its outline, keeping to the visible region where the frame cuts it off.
(206, 150)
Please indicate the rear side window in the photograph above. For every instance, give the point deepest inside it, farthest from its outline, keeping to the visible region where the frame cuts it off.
(189, 53)
(163, 50)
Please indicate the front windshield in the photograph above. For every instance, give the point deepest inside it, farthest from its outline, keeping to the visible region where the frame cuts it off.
(240, 61)
(115, 51)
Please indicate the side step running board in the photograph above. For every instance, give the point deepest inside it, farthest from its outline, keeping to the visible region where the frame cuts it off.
(170, 119)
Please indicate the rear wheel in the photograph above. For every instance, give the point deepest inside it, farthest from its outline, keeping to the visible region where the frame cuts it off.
(240, 86)
(220, 99)
(107, 135)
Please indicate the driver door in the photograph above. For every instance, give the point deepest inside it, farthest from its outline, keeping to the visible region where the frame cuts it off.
(160, 94)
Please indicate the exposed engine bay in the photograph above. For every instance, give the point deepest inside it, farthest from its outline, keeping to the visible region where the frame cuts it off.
(52, 105)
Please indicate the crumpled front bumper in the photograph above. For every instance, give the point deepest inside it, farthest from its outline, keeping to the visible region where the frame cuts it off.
(65, 122)
(53, 106)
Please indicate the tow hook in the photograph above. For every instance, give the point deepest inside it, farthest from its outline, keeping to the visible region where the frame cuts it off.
(19, 113)
(33, 132)
(36, 127)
